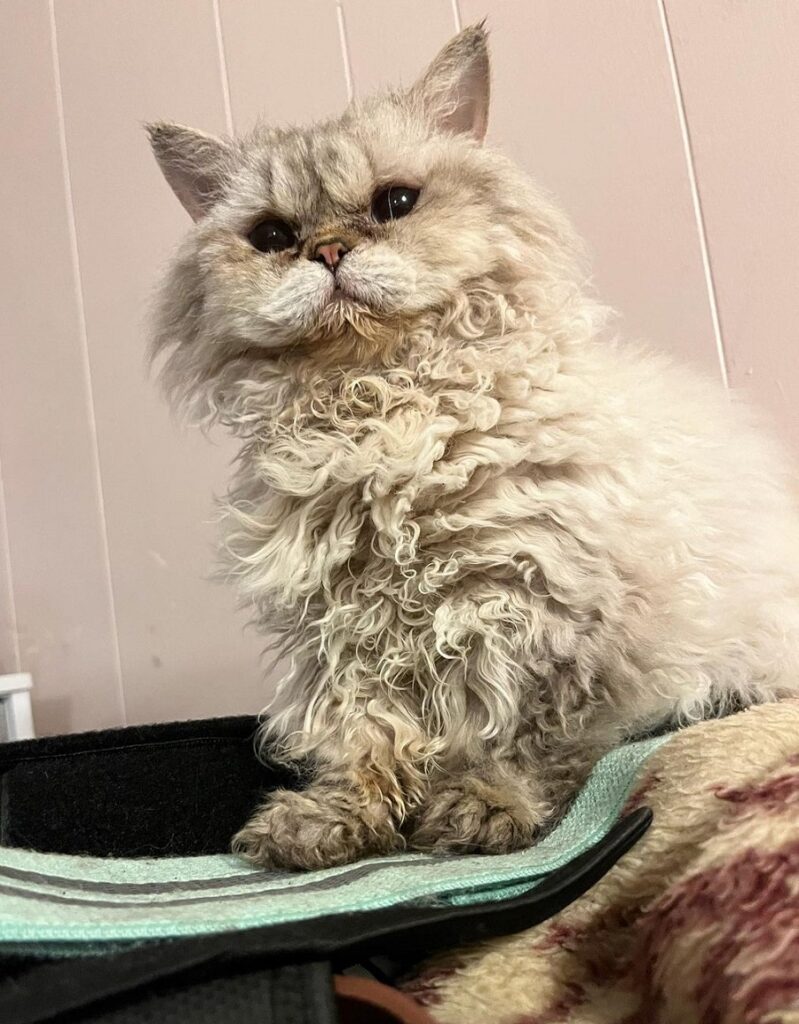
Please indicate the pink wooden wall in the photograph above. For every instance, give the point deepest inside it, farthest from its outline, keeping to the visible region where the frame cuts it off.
(667, 129)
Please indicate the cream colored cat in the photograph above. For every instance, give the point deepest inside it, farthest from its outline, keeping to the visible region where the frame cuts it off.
(493, 542)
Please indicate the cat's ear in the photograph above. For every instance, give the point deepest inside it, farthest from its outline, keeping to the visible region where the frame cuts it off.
(455, 89)
(196, 165)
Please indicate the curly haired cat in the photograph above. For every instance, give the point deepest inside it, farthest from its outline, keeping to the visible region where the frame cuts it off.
(493, 542)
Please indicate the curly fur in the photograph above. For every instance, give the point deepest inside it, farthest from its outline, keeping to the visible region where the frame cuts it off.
(491, 540)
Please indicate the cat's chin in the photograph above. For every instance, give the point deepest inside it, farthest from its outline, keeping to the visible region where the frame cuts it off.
(349, 333)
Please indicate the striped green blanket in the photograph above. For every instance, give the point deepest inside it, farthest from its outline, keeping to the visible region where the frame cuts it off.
(51, 903)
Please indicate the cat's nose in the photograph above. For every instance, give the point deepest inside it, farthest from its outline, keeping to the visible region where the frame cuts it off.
(330, 253)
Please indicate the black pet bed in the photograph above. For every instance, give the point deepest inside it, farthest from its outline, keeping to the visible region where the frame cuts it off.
(184, 789)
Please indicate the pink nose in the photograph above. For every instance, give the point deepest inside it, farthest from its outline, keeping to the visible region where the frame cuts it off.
(330, 253)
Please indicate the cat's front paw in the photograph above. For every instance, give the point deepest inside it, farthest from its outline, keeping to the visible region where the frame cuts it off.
(318, 828)
(472, 815)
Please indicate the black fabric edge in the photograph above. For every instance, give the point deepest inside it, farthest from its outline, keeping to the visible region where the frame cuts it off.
(161, 734)
(59, 986)
(241, 727)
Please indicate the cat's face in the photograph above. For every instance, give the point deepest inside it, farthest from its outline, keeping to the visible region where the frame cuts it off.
(353, 228)
(338, 240)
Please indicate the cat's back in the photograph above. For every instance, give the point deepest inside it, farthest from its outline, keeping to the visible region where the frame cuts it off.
(698, 471)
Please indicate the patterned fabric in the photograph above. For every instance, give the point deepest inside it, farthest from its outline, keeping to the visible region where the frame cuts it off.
(698, 923)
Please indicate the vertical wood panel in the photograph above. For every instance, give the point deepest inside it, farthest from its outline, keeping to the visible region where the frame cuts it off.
(583, 98)
(182, 648)
(9, 648)
(54, 520)
(738, 65)
(390, 45)
(284, 60)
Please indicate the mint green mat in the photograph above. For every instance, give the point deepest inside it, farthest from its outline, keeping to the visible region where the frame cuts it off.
(71, 904)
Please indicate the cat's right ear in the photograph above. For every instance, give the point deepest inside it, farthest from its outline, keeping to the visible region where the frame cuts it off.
(196, 165)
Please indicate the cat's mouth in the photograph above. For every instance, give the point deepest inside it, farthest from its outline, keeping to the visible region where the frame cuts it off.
(345, 303)
(350, 327)
(351, 311)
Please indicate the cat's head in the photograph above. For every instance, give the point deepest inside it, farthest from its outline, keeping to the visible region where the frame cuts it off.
(337, 241)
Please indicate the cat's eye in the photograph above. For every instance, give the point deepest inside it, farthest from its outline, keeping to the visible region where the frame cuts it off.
(272, 236)
(393, 203)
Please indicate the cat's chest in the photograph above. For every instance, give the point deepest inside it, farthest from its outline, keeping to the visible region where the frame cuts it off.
(287, 549)
(312, 512)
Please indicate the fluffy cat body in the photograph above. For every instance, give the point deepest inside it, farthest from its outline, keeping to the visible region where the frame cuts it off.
(492, 542)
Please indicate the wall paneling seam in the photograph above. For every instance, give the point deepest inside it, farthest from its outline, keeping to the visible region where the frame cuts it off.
(695, 196)
(223, 69)
(6, 549)
(345, 49)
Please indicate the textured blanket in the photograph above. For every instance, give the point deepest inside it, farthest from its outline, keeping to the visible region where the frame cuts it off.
(698, 923)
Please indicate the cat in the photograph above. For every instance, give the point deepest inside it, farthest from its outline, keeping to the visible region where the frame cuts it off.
(493, 542)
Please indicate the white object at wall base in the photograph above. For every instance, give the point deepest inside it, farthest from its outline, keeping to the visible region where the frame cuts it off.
(16, 717)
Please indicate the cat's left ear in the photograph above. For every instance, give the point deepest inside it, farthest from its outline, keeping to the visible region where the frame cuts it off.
(196, 165)
(455, 89)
